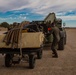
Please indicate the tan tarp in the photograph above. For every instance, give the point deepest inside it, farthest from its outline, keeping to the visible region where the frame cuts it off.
(29, 40)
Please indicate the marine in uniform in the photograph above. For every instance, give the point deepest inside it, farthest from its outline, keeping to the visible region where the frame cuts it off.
(56, 38)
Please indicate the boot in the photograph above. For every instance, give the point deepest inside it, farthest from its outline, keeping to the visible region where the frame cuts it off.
(55, 54)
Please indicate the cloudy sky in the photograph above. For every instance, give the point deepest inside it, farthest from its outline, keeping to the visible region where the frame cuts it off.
(20, 10)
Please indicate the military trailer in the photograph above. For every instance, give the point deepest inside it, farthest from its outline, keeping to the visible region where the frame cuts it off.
(24, 44)
(46, 29)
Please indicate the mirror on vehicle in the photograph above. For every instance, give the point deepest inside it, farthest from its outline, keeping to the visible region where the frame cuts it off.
(64, 24)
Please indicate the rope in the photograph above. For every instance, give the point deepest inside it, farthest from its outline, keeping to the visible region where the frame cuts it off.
(14, 37)
(20, 40)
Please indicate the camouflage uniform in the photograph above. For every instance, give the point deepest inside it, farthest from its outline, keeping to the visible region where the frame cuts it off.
(56, 38)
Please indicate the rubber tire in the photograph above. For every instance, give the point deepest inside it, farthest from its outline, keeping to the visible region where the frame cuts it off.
(61, 44)
(65, 38)
(39, 54)
(8, 60)
(31, 61)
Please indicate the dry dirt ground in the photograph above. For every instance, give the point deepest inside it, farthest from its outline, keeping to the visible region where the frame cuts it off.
(64, 65)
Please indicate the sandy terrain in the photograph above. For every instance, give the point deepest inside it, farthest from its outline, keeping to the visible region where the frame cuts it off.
(64, 65)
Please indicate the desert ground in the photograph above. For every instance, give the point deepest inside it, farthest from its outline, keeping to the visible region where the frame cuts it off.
(65, 64)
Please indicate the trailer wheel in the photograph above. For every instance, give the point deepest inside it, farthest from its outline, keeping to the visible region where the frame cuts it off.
(61, 44)
(39, 54)
(31, 61)
(8, 60)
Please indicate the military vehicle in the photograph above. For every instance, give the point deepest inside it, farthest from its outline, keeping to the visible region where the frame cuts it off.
(62, 34)
(45, 26)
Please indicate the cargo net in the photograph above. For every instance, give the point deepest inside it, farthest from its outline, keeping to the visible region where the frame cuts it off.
(14, 36)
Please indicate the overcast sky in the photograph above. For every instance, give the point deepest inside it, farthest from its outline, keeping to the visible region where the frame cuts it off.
(20, 10)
